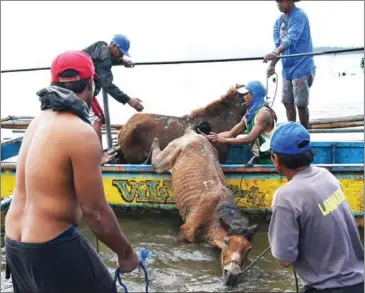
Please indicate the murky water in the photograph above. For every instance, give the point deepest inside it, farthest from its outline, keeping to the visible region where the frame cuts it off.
(183, 267)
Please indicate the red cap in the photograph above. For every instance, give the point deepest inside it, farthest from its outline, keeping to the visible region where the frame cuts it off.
(76, 60)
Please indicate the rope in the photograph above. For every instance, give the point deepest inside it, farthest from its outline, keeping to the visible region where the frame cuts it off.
(206, 60)
(296, 280)
(261, 255)
(143, 254)
(275, 80)
(253, 262)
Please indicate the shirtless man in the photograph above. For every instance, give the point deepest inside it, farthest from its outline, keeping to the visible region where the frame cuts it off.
(58, 180)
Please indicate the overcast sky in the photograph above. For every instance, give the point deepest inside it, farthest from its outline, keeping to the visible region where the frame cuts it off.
(33, 33)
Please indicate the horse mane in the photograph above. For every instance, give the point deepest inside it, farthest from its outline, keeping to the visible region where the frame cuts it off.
(216, 106)
(228, 211)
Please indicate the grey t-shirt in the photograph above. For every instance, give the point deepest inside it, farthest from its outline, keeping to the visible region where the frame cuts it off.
(313, 227)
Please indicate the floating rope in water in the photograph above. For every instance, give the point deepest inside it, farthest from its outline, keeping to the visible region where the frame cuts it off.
(143, 254)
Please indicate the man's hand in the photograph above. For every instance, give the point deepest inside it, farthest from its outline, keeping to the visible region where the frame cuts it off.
(270, 56)
(270, 70)
(127, 62)
(213, 137)
(128, 262)
(136, 104)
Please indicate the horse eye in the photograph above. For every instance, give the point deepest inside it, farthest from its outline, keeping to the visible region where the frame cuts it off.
(226, 241)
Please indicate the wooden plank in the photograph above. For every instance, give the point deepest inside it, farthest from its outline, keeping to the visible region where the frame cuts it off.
(334, 124)
(353, 118)
(322, 123)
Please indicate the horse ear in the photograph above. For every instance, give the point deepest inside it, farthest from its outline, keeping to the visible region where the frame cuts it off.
(226, 226)
(250, 231)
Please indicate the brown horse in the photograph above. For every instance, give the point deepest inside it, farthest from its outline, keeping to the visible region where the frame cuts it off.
(136, 136)
(204, 202)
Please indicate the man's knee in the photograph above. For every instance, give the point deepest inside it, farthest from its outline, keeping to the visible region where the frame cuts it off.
(289, 106)
(301, 91)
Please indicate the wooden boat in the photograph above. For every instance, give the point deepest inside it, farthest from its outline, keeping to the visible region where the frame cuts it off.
(139, 186)
(253, 187)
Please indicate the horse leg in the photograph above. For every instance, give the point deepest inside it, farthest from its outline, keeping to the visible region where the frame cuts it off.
(163, 160)
(200, 216)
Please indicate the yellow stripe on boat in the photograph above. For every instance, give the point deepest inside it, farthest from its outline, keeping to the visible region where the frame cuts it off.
(253, 188)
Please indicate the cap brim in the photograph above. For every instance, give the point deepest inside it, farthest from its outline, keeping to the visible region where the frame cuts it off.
(265, 146)
(242, 90)
(126, 53)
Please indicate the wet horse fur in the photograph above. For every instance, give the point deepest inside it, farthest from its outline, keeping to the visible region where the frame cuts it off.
(203, 200)
(136, 135)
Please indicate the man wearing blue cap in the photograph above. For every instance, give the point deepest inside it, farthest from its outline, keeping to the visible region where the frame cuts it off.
(259, 121)
(312, 227)
(104, 56)
(292, 36)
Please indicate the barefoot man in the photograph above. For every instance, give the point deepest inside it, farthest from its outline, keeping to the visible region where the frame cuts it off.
(58, 180)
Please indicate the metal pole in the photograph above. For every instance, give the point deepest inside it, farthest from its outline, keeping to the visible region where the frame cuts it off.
(107, 119)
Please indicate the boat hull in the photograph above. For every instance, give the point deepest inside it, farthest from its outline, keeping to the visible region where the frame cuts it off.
(253, 188)
(139, 186)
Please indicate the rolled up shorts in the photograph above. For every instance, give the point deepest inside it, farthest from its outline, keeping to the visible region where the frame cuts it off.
(296, 91)
(67, 263)
(92, 117)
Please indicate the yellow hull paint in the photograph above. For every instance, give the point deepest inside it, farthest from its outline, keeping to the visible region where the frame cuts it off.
(155, 191)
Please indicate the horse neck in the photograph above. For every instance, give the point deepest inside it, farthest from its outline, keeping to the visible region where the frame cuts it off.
(216, 235)
(213, 113)
(215, 232)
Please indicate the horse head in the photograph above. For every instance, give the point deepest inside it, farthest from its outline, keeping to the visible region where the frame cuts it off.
(236, 242)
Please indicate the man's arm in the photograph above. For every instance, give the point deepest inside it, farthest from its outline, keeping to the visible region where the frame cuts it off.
(284, 235)
(263, 121)
(294, 33)
(104, 69)
(276, 33)
(276, 36)
(223, 136)
(237, 129)
(85, 158)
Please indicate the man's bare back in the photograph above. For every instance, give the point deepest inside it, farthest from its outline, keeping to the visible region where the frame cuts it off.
(44, 200)
(58, 181)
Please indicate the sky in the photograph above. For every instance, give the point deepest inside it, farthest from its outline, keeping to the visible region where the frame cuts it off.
(34, 32)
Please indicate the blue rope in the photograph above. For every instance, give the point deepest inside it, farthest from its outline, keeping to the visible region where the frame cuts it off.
(143, 252)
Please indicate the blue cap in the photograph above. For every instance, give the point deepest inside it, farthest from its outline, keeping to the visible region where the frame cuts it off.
(287, 138)
(255, 87)
(123, 43)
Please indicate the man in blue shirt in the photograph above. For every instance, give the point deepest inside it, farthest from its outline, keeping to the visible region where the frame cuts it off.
(292, 36)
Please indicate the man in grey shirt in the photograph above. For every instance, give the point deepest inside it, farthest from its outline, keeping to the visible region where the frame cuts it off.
(312, 227)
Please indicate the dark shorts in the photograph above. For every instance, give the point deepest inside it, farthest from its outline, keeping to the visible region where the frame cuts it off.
(296, 91)
(348, 289)
(67, 263)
